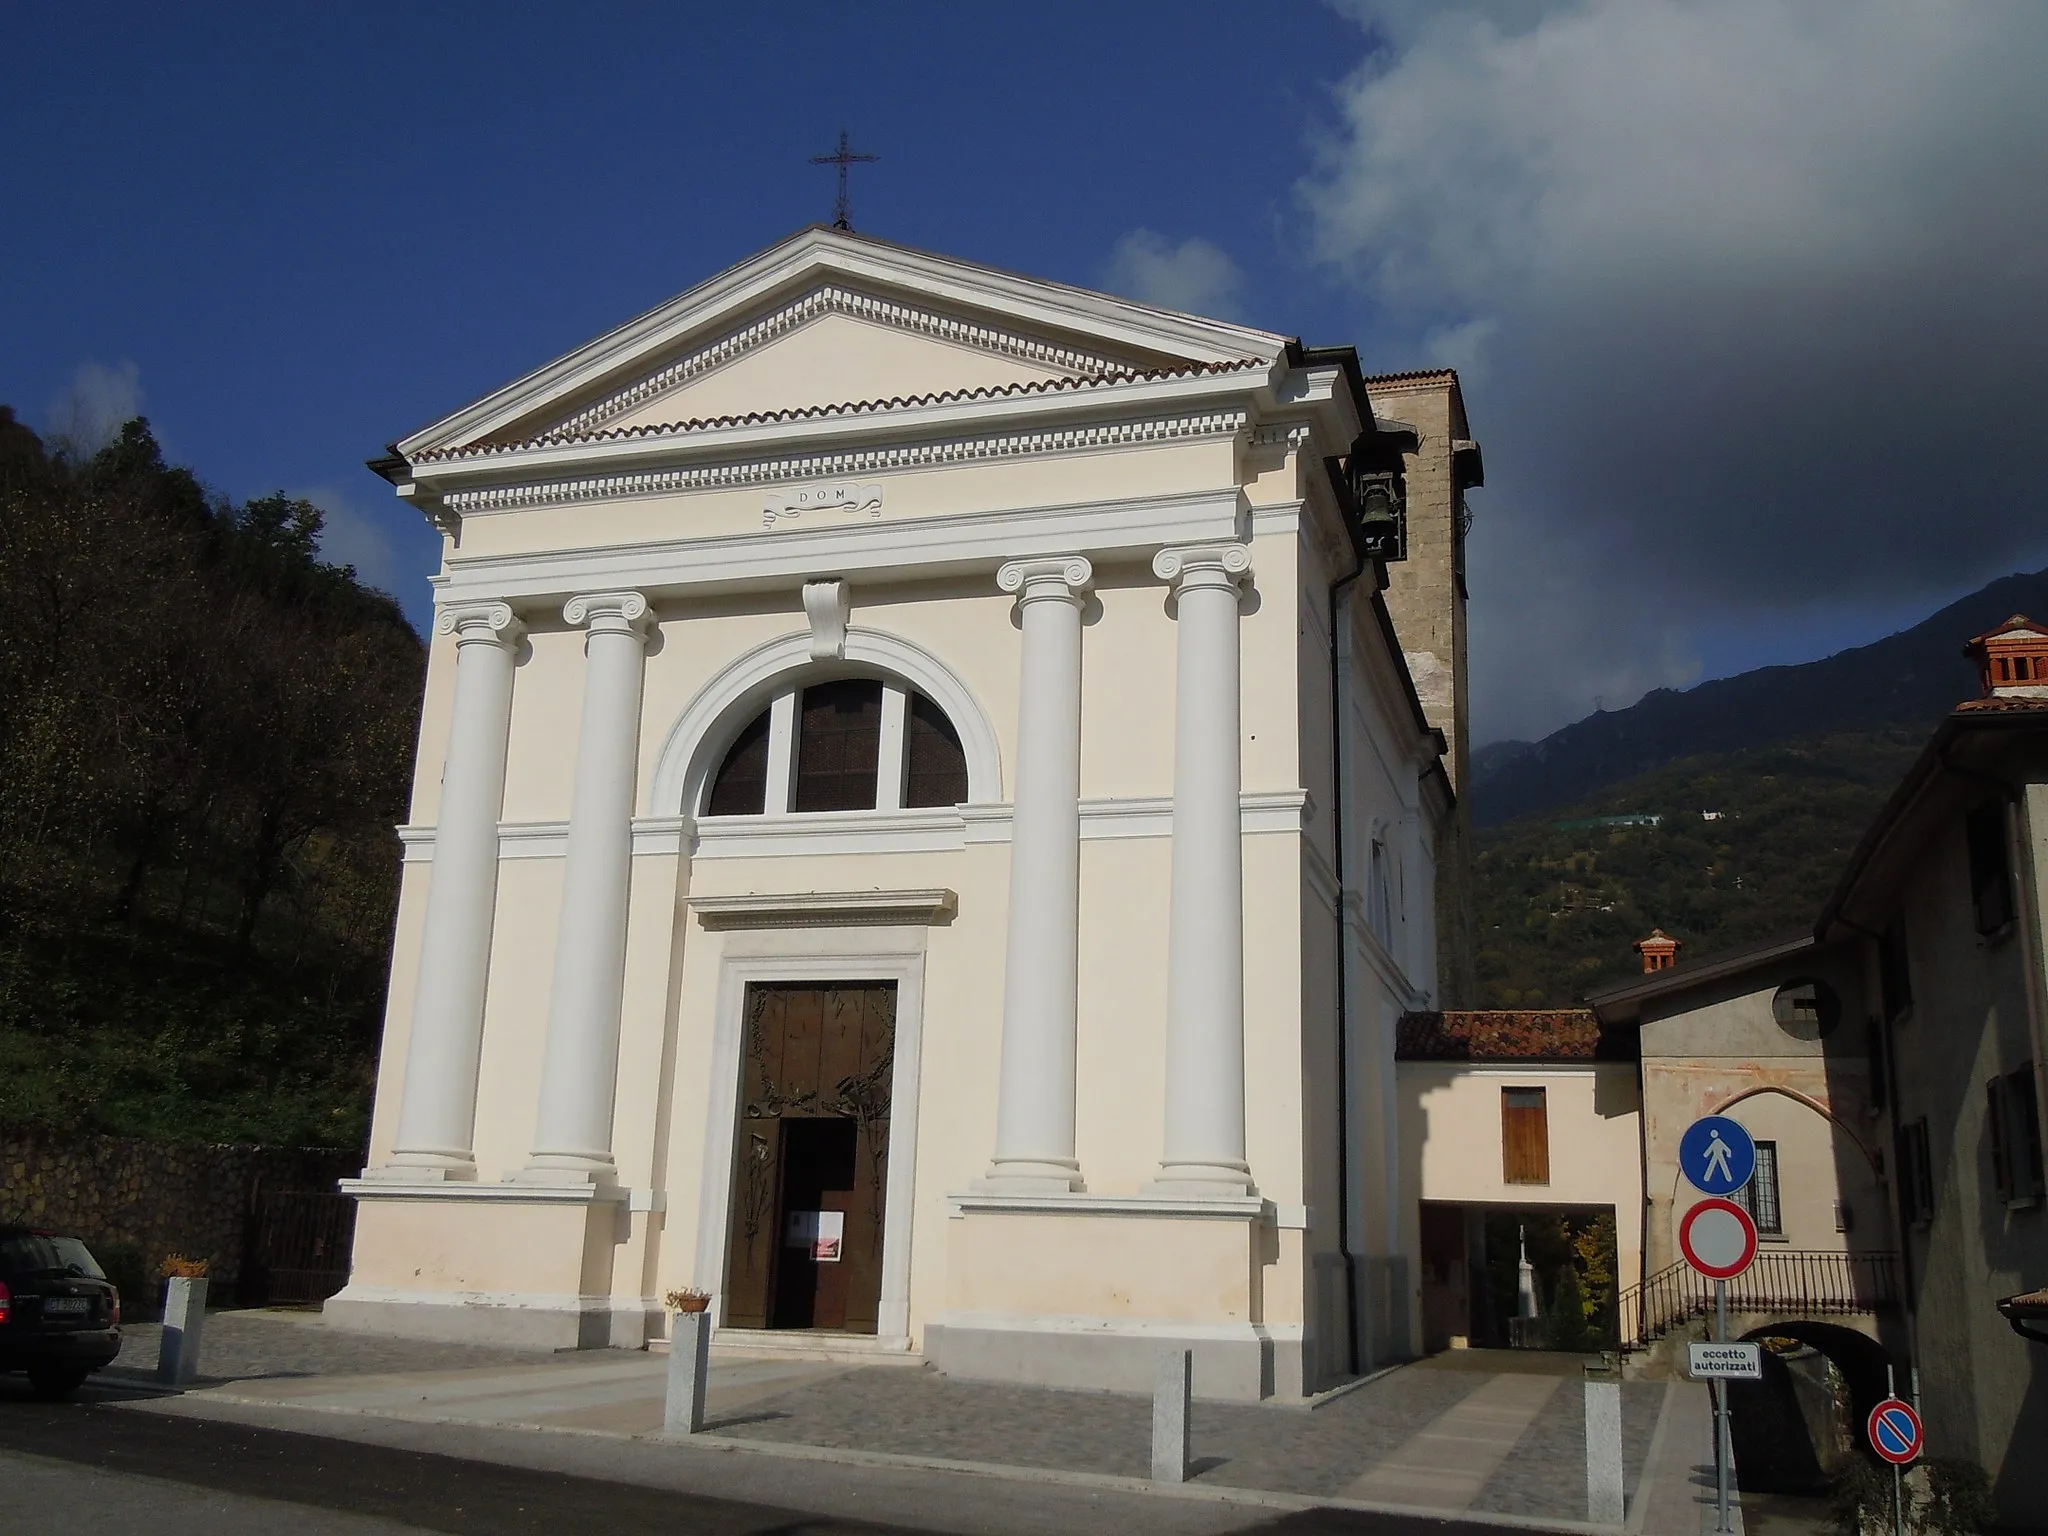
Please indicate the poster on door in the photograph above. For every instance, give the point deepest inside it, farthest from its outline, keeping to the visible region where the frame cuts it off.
(823, 1232)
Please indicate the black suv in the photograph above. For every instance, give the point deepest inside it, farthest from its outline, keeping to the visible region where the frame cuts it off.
(60, 1318)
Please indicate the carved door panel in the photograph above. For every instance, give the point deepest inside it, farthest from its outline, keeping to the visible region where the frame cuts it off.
(811, 1163)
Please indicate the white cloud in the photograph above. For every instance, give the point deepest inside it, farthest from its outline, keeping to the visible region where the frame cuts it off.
(351, 535)
(1194, 276)
(1749, 295)
(91, 410)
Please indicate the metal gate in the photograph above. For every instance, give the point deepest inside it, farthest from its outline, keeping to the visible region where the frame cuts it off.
(298, 1247)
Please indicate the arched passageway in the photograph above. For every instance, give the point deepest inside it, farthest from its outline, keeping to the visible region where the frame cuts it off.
(1796, 1426)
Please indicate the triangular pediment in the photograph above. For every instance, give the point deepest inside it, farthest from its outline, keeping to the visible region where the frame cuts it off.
(830, 320)
(835, 346)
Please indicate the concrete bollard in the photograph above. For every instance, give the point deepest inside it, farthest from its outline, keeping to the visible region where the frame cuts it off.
(689, 1364)
(1603, 1453)
(177, 1355)
(1170, 1417)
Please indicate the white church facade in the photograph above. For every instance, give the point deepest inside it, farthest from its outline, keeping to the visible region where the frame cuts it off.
(923, 830)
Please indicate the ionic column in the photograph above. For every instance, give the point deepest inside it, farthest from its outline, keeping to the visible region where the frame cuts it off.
(579, 1073)
(1041, 977)
(1205, 947)
(437, 1116)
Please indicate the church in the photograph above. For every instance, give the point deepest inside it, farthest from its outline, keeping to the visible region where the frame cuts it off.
(934, 791)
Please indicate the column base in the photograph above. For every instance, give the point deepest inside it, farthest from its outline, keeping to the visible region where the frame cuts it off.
(1037, 1176)
(423, 1168)
(1202, 1181)
(565, 1171)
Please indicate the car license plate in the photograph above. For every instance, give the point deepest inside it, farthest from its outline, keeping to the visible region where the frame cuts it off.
(61, 1306)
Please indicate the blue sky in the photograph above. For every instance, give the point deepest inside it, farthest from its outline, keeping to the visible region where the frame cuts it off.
(293, 233)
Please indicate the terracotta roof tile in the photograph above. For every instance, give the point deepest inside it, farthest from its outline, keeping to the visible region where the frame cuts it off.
(2005, 704)
(849, 408)
(1500, 1034)
(1414, 376)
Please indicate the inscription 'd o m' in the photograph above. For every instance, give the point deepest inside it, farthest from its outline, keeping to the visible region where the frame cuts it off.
(845, 497)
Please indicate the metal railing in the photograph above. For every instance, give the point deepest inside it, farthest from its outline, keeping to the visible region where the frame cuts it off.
(1791, 1282)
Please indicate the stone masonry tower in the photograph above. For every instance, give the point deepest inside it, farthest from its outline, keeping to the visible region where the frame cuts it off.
(1426, 596)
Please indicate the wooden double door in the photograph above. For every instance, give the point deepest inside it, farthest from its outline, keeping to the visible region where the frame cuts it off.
(812, 1160)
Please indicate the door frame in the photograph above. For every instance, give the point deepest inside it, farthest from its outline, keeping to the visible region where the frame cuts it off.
(817, 955)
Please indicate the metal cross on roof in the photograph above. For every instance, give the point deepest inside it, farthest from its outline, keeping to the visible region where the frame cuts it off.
(842, 210)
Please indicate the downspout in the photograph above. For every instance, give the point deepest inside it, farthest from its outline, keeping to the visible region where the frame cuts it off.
(1346, 1172)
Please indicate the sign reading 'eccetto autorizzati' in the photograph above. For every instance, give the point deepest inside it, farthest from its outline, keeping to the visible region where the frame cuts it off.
(1725, 1362)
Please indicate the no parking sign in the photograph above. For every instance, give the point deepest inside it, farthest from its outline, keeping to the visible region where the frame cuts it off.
(1895, 1431)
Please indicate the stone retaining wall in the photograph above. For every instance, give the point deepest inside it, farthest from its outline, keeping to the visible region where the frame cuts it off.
(135, 1201)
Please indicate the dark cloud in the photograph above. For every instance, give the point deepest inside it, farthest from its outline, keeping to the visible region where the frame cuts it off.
(1749, 300)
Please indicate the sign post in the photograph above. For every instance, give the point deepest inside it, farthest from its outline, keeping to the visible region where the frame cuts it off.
(1896, 1434)
(1718, 1157)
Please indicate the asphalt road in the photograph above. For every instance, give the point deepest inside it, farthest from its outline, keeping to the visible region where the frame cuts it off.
(98, 1467)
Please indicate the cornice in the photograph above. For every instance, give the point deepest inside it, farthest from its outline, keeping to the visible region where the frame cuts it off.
(956, 544)
(829, 465)
(825, 909)
(694, 426)
(939, 829)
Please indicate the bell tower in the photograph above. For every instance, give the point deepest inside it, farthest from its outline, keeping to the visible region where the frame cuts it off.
(1411, 499)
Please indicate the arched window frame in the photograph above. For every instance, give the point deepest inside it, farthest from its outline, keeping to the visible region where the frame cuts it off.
(723, 707)
(784, 710)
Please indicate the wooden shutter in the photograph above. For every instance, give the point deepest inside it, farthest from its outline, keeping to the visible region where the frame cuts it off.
(839, 737)
(1524, 1136)
(935, 766)
(741, 786)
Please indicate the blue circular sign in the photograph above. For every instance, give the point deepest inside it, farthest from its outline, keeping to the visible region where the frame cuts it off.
(1716, 1155)
(1895, 1432)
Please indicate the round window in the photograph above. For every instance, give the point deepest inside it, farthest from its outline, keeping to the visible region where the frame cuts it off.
(1806, 1009)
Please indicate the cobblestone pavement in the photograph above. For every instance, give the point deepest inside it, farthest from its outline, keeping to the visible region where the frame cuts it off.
(244, 1346)
(905, 1410)
(1545, 1474)
(925, 1414)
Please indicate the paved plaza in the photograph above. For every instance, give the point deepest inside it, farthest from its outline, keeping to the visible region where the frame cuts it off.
(1481, 1434)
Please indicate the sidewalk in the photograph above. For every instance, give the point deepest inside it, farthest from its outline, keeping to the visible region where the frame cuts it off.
(1447, 1437)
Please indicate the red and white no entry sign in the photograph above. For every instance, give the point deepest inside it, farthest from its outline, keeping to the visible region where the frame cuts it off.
(1718, 1239)
(1895, 1432)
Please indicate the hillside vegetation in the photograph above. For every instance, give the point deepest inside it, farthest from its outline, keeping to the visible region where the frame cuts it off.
(1909, 679)
(1558, 906)
(206, 738)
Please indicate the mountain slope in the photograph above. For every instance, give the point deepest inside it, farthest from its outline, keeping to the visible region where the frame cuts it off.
(1908, 679)
(1558, 905)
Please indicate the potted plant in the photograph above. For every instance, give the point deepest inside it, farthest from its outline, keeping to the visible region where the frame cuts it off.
(689, 1359)
(177, 1355)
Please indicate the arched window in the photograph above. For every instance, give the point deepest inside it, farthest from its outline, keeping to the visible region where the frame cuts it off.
(848, 744)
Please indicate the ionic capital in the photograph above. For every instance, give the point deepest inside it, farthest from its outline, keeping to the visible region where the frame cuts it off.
(1062, 577)
(481, 624)
(1204, 565)
(613, 613)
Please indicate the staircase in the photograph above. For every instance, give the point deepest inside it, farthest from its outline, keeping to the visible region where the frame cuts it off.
(1790, 1282)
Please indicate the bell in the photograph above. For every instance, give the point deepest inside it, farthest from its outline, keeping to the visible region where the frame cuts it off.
(1379, 517)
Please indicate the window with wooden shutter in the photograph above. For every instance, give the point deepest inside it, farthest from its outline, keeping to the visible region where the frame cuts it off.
(935, 768)
(741, 786)
(1524, 1136)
